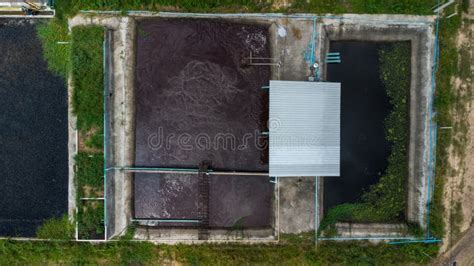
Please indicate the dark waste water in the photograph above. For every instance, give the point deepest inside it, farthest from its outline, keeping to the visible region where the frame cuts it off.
(33, 134)
(364, 106)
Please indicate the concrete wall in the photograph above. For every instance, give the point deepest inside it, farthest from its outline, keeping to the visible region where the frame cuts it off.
(352, 230)
(120, 126)
(419, 31)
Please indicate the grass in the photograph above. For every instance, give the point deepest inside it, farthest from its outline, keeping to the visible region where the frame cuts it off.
(88, 76)
(420, 7)
(87, 102)
(296, 253)
(456, 220)
(465, 63)
(91, 219)
(57, 55)
(385, 201)
(89, 173)
(444, 102)
(56, 228)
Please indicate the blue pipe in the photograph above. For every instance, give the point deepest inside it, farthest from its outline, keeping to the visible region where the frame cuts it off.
(365, 238)
(431, 145)
(425, 241)
(162, 169)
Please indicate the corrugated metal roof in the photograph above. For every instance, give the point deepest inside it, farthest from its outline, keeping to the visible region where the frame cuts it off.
(304, 126)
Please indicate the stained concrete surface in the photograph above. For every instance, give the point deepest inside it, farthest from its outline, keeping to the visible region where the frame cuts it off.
(197, 99)
(119, 187)
(33, 133)
(375, 230)
(297, 204)
(364, 108)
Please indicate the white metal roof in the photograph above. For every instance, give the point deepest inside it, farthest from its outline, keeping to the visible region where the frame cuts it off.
(304, 128)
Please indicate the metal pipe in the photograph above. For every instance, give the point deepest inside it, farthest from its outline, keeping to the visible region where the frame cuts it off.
(189, 171)
(365, 238)
(239, 173)
(426, 241)
(438, 9)
(166, 220)
(92, 198)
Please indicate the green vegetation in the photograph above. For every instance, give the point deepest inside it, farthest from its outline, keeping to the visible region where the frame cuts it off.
(89, 174)
(465, 6)
(57, 55)
(72, 7)
(456, 220)
(96, 141)
(130, 232)
(56, 228)
(444, 102)
(88, 76)
(91, 219)
(87, 102)
(465, 62)
(386, 200)
(295, 253)
(421, 7)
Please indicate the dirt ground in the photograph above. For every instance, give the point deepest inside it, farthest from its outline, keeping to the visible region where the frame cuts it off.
(459, 187)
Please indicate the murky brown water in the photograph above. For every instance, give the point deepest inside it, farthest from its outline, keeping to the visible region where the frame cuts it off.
(195, 90)
(193, 84)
